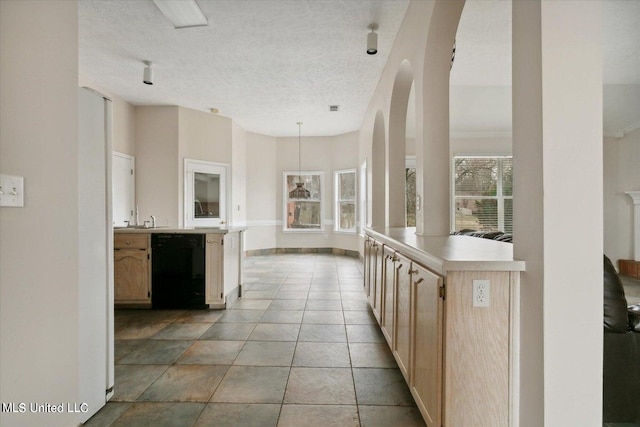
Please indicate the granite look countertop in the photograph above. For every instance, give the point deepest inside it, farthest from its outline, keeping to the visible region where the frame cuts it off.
(449, 253)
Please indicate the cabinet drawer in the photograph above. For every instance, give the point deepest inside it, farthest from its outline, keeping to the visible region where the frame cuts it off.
(131, 241)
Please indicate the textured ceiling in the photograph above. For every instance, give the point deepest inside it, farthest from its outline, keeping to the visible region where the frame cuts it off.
(266, 64)
(269, 64)
(481, 74)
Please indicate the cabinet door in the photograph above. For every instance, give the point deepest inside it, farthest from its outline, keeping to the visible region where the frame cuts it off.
(376, 297)
(426, 347)
(131, 276)
(367, 262)
(388, 297)
(214, 269)
(402, 344)
(373, 257)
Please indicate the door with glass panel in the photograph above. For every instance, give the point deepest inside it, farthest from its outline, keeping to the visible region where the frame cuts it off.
(205, 194)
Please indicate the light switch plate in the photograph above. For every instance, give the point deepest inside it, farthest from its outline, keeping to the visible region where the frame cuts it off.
(11, 191)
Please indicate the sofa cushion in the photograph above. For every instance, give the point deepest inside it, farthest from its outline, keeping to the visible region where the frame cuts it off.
(634, 317)
(616, 316)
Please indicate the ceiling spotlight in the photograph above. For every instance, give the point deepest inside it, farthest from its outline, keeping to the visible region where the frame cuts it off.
(372, 40)
(147, 76)
(214, 110)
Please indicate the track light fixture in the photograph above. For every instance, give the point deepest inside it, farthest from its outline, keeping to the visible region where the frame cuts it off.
(147, 75)
(372, 39)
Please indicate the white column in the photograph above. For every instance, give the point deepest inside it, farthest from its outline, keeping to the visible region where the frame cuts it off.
(432, 151)
(558, 162)
(635, 196)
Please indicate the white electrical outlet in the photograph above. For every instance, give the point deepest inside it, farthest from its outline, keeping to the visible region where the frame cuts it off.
(481, 293)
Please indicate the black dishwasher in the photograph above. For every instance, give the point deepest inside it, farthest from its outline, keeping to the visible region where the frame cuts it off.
(177, 266)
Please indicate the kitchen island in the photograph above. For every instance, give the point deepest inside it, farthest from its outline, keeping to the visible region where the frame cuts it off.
(448, 307)
(194, 267)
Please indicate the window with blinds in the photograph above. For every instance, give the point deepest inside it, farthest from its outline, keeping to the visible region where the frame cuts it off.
(345, 200)
(483, 193)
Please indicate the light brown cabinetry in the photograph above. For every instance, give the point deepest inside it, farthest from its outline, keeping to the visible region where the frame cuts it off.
(389, 294)
(214, 268)
(401, 348)
(368, 265)
(479, 344)
(459, 360)
(132, 269)
(378, 290)
(426, 346)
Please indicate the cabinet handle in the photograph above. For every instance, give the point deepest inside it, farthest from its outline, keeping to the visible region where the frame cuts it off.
(128, 242)
(209, 241)
(419, 281)
(412, 271)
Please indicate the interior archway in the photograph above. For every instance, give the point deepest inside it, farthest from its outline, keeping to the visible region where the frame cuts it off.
(432, 144)
(377, 188)
(396, 148)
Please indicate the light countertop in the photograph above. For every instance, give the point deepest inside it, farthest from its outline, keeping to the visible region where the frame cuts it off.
(179, 230)
(449, 253)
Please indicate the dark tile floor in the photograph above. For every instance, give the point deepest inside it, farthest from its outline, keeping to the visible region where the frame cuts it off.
(301, 347)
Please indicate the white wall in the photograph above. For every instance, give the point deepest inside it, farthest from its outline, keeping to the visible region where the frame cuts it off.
(204, 136)
(201, 136)
(124, 125)
(39, 260)
(266, 160)
(157, 165)
(165, 136)
(261, 192)
(621, 173)
(239, 176)
(318, 154)
(488, 146)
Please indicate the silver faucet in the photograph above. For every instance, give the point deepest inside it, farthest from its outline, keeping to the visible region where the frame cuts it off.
(153, 221)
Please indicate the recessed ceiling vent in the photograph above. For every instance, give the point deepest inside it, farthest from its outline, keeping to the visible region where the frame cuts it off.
(333, 107)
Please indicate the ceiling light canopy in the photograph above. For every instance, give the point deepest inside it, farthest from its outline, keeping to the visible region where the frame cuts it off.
(147, 75)
(182, 13)
(372, 40)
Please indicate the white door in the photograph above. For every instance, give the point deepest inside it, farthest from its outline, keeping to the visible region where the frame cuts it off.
(123, 178)
(205, 194)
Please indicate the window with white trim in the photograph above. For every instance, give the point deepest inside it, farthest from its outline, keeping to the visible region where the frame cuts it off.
(345, 200)
(482, 193)
(303, 200)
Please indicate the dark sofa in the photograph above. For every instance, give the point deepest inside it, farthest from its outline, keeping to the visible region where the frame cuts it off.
(621, 364)
(492, 235)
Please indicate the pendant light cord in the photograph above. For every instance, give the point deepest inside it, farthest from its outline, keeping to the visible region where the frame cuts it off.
(299, 151)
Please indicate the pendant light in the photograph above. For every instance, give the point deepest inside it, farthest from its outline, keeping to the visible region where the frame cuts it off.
(299, 192)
